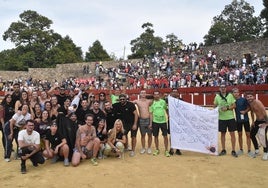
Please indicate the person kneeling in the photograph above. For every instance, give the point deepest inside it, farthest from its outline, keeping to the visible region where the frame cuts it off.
(29, 146)
(116, 140)
(87, 144)
(56, 145)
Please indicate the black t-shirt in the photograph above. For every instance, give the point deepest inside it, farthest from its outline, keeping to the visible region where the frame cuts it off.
(97, 117)
(61, 99)
(101, 136)
(54, 140)
(110, 118)
(125, 113)
(80, 113)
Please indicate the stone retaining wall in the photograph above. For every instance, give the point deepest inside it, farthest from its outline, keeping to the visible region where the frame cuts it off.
(260, 46)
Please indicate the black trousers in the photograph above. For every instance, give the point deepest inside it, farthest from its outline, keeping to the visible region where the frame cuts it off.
(36, 158)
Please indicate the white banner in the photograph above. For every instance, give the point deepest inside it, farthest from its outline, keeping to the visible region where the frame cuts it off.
(193, 127)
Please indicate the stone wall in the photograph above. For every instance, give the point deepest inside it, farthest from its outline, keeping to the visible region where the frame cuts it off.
(260, 46)
(238, 49)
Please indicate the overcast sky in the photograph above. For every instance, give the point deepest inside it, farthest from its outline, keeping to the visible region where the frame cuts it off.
(116, 22)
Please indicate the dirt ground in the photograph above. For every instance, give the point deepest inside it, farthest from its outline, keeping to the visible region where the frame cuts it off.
(188, 170)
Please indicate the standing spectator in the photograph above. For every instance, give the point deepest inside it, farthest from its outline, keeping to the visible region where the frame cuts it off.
(242, 120)
(29, 143)
(102, 99)
(144, 121)
(126, 111)
(261, 122)
(158, 120)
(6, 113)
(226, 103)
(82, 111)
(110, 115)
(16, 94)
(98, 114)
(12, 128)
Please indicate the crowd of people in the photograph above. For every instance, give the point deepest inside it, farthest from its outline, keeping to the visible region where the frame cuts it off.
(63, 121)
(189, 67)
(74, 127)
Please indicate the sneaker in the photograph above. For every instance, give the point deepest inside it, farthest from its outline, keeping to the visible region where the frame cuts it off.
(142, 151)
(265, 156)
(66, 162)
(54, 159)
(23, 169)
(149, 151)
(257, 152)
(234, 154)
(132, 154)
(178, 152)
(7, 159)
(240, 152)
(223, 152)
(100, 155)
(171, 151)
(94, 161)
(156, 152)
(167, 154)
(251, 154)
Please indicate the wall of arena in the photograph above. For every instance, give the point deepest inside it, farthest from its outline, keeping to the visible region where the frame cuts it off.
(260, 46)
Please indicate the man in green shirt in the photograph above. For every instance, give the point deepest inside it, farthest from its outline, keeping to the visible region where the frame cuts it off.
(226, 103)
(158, 120)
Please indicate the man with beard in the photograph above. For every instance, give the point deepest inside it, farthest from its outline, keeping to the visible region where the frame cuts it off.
(110, 115)
(29, 146)
(126, 111)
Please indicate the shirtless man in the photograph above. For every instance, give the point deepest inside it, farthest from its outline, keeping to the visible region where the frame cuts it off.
(261, 121)
(144, 121)
(87, 143)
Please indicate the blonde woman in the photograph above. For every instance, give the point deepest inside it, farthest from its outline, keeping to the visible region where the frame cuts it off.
(116, 140)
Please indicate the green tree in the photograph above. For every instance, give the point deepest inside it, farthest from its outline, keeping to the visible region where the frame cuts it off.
(173, 43)
(235, 23)
(96, 52)
(264, 16)
(37, 45)
(146, 43)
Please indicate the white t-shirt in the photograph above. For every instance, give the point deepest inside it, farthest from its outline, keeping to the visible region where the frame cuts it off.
(21, 119)
(33, 138)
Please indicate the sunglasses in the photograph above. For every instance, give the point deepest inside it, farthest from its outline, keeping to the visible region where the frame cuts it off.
(101, 95)
(91, 96)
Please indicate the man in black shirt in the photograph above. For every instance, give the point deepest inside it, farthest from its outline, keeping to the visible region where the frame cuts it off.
(126, 111)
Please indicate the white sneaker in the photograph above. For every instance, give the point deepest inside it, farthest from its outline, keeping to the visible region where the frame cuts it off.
(252, 154)
(265, 156)
(257, 151)
(240, 152)
(142, 151)
(132, 154)
(149, 151)
(7, 159)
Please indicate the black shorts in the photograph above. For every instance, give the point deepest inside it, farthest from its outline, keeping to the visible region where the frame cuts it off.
(133, 133)
(240, 126)
(224, 124)
(162, 126)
